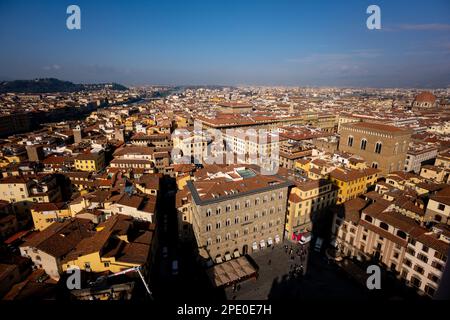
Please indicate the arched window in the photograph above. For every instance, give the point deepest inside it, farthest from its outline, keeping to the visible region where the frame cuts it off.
(350, 141)
(218, 210)
(218, 225)
(227, 222)
(378, 146)
(374, 165)
(228, 208)
(208, 227)
(237, 206)
(363, 144)
(384, 226)
(236, 220)
(208, 213)
(401, 234)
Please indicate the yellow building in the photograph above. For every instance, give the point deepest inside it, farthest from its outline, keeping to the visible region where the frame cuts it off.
(3, 162)
(44, 214)
(114, 247)
(23, 191)
(306, 199)
(16, 158)
(352, 182)
(91, 162)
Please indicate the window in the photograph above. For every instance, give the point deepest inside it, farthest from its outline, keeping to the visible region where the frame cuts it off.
(218, 225)
(410, 251)
(378, 146)
(350, 141)
(418, 269)
(430, 290)
(368, 218)
(363, 144)
(401, 234)
(208, 213)
(433, 277)
(415, 282)
(208, 227)
(422, 257)
(408, 262)
(374, 165)
(384, 226)
(218, 210)
(441, 206)
(437, 265)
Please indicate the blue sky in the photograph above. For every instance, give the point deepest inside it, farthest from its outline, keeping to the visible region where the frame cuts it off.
(298, 43)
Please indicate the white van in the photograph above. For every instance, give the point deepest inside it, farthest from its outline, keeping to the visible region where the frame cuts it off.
(305, 238)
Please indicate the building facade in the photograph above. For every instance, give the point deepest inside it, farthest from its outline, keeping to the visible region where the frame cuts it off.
(382, 146)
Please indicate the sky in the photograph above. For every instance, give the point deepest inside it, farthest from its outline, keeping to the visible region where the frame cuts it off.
(229, 42)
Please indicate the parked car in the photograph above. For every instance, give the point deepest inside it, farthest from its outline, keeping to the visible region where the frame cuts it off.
(318, 244)
(174, 267)
(165, 252)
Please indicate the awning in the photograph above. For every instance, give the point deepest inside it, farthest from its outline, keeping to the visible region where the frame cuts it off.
(262, 243)
(227, 257)
(277, 238)
(219, 259)
(255, 246)
(231, 271)
(269, 241)
(236, 254)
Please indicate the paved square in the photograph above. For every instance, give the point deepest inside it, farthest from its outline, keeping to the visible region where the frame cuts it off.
(322, 281)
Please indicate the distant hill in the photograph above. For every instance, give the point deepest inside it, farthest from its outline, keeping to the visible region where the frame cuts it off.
(51, 85)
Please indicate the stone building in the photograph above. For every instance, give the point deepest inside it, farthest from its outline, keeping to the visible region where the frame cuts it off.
(237, 211)
(382, 146)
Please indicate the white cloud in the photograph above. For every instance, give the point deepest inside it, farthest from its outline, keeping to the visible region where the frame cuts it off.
(52, 67)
